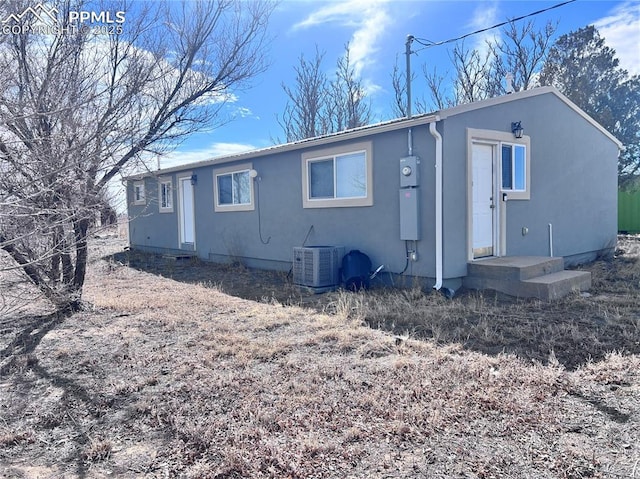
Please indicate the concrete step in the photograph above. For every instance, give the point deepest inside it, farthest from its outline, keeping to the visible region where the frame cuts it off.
(526, 277)
(515, 267)
(180, 256)
(556, 285)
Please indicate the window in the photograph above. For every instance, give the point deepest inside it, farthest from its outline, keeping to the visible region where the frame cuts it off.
(138, 193)
(514, 168)
(165, 192)
(233, 189)
(343, 176)
(338, 177)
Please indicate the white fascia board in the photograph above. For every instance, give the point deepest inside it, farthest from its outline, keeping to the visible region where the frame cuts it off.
(457, 110)
(584, 115)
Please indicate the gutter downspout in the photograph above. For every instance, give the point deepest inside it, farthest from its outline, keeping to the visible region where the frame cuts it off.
(438, 202)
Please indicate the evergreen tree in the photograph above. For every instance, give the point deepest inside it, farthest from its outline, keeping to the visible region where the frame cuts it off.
(587, 71)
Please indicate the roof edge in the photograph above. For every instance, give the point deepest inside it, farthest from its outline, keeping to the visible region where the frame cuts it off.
(543, 90)
(355, 133)
(390, 125)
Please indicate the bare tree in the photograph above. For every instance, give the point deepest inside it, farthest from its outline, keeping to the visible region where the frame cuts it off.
(304, 113)
(399, 86)
(79, 108)
(480, 73)
(522, 54)
(418, 104)
(472, 71)
(436, 86)
(473, 74)
(349, 107)
(318, 105)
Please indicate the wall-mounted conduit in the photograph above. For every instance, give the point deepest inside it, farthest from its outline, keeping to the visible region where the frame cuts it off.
(259, 214)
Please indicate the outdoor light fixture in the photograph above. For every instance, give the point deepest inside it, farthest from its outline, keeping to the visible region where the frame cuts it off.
(253, 173)
(516, 129)
(194, 179)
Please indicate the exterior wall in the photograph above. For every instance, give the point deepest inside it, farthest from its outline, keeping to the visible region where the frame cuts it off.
(573, 182)
(280, 221)
(573, 187)
(148, 228)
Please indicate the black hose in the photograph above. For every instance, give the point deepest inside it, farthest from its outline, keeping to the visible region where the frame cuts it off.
(259, 215)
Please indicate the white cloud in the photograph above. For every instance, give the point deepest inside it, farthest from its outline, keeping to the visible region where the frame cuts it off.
(621, 31)
(116, 189)
(485, 15)
(368, 18)
(245, 112)
(178, 158)
(341, 13)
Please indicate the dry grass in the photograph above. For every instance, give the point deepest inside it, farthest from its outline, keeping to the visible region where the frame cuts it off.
(17, 298)
(165, 378)
(572, 331)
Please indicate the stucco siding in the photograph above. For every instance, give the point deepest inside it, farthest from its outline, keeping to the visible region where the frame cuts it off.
(147, 226)
(573, 180)
(454, 201)
(573, 187)
(267, 234)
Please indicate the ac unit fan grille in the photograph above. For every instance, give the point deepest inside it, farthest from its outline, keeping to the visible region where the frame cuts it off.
(317, 266)
(308, 267)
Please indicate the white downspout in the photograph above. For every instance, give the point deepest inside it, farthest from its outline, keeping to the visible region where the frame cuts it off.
(438, 202)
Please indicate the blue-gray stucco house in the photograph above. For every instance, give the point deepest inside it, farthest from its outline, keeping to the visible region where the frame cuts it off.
(430, 195)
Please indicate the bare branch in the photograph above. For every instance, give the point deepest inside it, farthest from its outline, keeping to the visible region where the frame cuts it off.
(78, 108)
(317, 105)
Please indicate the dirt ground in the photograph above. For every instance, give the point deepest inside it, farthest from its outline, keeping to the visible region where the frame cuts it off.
(206, 371)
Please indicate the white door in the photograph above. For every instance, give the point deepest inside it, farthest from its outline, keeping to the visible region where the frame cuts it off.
(187, 214)
(483, 200)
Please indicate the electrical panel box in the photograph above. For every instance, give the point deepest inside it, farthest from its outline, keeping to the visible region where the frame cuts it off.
(409, 171)
(409, 217)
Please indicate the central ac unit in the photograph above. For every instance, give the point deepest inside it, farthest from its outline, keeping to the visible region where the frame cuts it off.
(317, 266)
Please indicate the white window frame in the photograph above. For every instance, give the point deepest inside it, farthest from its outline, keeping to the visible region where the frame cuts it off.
(330, 154)
(512, 192)
(230, 170)
(139, 199)
(169, 207)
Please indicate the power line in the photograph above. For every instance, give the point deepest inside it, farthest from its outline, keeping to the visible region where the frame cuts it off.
(428, 43)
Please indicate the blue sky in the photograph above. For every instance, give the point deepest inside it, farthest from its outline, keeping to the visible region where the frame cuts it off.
(376, 31)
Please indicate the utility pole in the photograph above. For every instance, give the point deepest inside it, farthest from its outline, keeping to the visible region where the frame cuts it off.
(408, 55)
